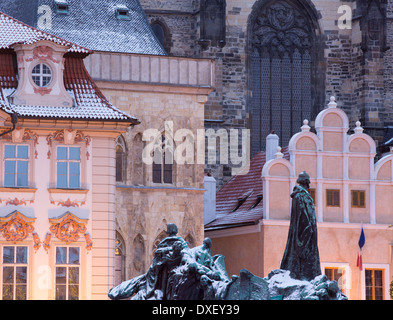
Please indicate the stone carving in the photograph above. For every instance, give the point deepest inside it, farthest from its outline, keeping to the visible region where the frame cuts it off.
(180, 273)
(212, 23)
(301, 256)
(280, 29)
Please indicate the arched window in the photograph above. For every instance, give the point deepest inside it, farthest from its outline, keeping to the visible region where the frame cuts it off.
(162, 33)
(283, 68)
(138, 167)
(139, 254)
(120, 159)
(163, 160)
(120, 249)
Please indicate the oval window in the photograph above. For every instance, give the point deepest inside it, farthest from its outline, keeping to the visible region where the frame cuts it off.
(42, 75)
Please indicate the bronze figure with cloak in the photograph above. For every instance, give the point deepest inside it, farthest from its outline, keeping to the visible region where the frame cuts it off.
(301, 255)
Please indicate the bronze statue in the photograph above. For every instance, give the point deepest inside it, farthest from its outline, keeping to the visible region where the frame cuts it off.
(178, 272)
(301, 256)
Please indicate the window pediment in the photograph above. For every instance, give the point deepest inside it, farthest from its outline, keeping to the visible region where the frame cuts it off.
(16, 226)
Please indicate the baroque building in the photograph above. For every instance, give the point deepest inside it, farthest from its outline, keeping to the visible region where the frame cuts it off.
(57, 183)
(167, 94)
(278, 62)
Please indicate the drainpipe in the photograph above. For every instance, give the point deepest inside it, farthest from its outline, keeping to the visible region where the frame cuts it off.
(14, 120)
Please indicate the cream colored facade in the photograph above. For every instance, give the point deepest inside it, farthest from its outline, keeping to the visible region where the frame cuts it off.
(167, 95)
(335, 160)
(43, 206)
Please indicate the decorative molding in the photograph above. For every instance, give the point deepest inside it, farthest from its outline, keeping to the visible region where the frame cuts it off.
(22, 135)
(46, 243)
(68, 203)
(280, 29)
(16, 226)
(68, 136)
(17, 202)
(42, 90)
(68, 227)
(89, 242)
(37, 241)
(43, 52)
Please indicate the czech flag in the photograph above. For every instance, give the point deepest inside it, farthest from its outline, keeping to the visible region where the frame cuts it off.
(362, 241)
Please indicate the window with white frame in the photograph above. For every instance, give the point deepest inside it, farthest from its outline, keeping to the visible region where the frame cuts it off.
(41, 75)
(67, 273)
(14, 272)
(16, 165)
(68, 165)
(339, 272)
(374, 278)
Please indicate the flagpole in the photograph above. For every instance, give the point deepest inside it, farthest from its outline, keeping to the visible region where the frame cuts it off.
(361, 242)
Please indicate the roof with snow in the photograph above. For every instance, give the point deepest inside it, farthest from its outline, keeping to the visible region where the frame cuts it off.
(100, 25)
(13, 32)
(239, 202)
(89, 102)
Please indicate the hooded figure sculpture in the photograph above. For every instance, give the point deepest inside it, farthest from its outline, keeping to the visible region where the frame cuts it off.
(301, 255)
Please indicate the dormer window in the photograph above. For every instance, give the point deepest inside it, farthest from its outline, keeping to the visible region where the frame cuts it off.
(122, 13)
(62, 6)
(42, 75)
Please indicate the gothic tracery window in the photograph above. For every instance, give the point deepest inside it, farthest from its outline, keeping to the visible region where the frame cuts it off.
(282, 48)
(121, 160)
(119, 259)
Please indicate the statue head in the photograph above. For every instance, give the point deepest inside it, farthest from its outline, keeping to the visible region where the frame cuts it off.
(205, 281)
(171, 229)
(177, 247)
(207, 243)
(304, 180)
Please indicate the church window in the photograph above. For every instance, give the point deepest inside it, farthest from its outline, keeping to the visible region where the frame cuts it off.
(120, 159)
(163, 161)
(162, 33)
(282, 70)
(119, 259)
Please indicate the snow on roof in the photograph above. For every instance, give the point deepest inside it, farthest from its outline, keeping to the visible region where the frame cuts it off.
(92, 24)
(89, 102)
(239, 201)
(14, 31)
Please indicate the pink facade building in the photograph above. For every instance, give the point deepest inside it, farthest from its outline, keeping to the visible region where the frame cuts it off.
(57, 174)
(351, 190)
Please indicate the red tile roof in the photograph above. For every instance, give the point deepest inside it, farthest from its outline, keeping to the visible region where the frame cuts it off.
(247, 186)
(90, 103)
(14, 31)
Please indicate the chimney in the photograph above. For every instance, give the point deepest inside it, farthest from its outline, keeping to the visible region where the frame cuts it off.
(271, 146)
(210, 199)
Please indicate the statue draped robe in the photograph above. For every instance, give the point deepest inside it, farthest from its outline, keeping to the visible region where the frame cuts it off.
(301, 255)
